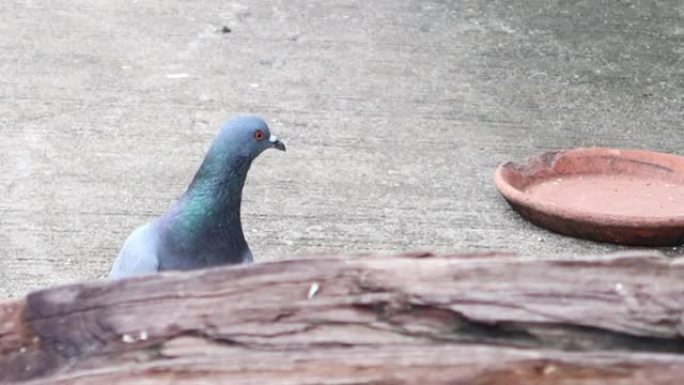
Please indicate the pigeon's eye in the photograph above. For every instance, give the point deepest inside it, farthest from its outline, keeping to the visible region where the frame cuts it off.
(258, 135)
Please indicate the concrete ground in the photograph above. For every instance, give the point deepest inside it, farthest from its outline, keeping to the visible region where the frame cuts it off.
(395, 113)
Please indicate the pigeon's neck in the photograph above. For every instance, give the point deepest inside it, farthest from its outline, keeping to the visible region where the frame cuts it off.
(212, 203)
(208, 213)
(219, 182)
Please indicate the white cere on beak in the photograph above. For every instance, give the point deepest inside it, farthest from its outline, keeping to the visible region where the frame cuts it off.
(273, 138)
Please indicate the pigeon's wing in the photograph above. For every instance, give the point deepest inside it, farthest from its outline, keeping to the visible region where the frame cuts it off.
(138, 256)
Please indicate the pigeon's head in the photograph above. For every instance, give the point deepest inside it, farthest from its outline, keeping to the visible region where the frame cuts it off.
(239, 141)
(248, 136)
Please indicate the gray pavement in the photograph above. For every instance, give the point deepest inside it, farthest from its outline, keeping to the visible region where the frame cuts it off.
(395, 114)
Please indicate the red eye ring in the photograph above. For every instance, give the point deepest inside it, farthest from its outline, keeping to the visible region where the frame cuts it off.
(258, 135)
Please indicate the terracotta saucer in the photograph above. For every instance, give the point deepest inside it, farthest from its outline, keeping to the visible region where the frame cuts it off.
(631, 197)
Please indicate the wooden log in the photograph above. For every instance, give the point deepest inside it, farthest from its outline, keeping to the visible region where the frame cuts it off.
(461, 319)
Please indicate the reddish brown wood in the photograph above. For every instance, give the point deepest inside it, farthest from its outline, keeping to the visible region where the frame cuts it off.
(12, 333)
(359, 320)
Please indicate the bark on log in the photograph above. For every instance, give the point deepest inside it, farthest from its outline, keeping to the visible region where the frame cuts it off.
(408, 319)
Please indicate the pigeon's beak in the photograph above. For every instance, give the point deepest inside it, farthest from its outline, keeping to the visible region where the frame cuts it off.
(276, 143)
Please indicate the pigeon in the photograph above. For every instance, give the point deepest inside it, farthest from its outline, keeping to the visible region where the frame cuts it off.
(202, 228)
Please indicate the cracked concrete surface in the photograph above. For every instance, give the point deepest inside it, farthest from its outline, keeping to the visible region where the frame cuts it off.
(395, 114)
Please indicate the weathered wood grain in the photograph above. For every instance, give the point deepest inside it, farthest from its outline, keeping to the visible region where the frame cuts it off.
(472, 319)
(14, 336)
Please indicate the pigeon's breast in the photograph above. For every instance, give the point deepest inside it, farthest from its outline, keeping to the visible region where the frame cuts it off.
(219, 245)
